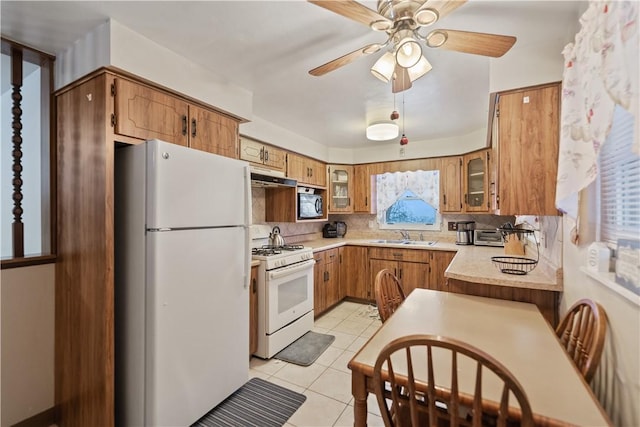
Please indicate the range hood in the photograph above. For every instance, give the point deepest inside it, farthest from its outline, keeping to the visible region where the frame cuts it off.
(262, 177)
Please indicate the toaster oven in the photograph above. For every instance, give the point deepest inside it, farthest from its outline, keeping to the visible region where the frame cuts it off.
(488, 238)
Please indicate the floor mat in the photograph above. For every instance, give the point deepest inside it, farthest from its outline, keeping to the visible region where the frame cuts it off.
(306, 349)
(257, 403)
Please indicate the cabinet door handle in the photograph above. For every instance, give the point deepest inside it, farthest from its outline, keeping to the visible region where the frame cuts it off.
(193, 128)
(184, 125)
(366, 200)
(262, 154)
(465, 200)
(266, 155)
(400, 276)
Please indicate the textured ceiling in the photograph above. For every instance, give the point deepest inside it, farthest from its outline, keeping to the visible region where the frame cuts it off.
(268, 47)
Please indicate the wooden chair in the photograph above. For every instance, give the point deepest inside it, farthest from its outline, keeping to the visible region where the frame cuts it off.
(389, 293)
(405, 401)
(581, 332)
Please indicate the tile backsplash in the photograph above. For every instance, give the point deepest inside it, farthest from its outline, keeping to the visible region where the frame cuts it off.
(364, 226)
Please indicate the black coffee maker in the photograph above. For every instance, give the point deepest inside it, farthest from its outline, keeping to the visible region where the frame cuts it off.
(465, 232)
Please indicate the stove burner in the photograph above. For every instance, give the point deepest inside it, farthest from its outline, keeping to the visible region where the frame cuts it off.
(267, 250)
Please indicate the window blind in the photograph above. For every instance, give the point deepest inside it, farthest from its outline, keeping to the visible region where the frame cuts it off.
(619, 182)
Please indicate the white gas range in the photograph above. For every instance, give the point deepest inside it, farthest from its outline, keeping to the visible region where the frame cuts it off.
(285, 292)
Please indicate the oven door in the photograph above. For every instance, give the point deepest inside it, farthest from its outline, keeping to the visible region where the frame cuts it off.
(289, 294)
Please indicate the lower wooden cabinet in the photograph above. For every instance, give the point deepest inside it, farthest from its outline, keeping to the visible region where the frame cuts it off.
(410, 266)
(326, 284)
(354, 278)
(253, 311)
(547, 301)
(438, 263)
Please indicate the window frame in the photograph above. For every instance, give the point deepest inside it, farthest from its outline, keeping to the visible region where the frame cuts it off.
(48, 150)
(436, 226)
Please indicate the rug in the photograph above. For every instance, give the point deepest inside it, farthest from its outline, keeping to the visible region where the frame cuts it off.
(306, 349)
(257, 403)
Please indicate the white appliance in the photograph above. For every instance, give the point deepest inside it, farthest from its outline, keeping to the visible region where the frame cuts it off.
(182, 272)
(285, 292)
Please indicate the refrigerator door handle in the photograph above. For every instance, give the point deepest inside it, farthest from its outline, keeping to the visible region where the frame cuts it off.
(247, 227)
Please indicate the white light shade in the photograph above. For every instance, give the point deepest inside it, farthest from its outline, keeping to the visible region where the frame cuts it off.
(420, 69)
(383, 68)
(408, 53)
(382, 131)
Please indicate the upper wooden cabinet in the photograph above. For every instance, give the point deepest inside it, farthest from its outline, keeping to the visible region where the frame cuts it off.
(213, 132)
(476, 181)
(361, 189)
(263, 154)
(527, 150)
(340, 188)
(144, 112)
(450, 184)
(306, 170)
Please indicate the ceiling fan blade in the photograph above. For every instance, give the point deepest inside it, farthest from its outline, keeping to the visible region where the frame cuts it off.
(401, 80)
(493, 45)
(355, 11)
(345, 59)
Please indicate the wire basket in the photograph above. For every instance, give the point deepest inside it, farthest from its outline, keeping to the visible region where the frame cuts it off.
(518, 265)
(514, 265)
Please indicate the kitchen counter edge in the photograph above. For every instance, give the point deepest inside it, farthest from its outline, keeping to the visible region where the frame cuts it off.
(470, 264)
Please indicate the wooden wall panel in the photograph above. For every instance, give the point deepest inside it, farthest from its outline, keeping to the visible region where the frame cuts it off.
(84, 352)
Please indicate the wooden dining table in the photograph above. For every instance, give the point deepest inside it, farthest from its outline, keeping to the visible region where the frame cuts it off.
(514, 333)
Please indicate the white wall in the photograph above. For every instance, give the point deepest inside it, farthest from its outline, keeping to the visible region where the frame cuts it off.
(415, 149)
(27, 307)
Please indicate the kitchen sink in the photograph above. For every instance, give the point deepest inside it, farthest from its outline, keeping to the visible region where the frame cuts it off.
(421, 242)
(406, 242)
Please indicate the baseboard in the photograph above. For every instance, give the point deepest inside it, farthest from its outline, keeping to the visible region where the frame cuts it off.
(43, 419)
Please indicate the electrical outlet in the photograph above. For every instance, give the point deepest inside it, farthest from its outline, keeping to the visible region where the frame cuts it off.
(452, 226)
(402, 152)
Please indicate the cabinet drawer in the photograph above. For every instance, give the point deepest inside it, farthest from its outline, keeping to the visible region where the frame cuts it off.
(331, 255)
(415, 255)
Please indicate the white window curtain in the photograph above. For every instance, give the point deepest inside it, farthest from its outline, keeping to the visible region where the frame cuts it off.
(601, 70)
(391, 185)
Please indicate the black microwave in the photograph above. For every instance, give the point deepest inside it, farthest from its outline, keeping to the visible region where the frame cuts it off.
(309, 204)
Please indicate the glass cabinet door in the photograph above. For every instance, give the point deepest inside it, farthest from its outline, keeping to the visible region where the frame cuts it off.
(476, 175)
(340, 186)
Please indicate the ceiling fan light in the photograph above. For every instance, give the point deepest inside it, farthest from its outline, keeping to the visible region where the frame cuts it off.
(420, 69)
(426, 16)
(383, 67)
(382, 131)
(408, 53)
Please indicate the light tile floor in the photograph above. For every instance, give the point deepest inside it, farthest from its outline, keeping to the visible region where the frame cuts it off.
(327, 382)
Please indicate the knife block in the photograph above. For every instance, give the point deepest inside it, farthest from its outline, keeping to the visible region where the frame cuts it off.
(513, 245)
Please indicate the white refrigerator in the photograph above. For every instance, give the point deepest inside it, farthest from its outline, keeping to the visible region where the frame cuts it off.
(182, 267)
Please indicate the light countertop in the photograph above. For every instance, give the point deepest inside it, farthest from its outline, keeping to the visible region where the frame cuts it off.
(471, 263)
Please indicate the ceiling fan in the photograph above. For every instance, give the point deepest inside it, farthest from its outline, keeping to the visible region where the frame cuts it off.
(403, 21)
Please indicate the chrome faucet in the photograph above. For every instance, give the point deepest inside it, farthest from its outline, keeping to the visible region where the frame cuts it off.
(405, 234)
